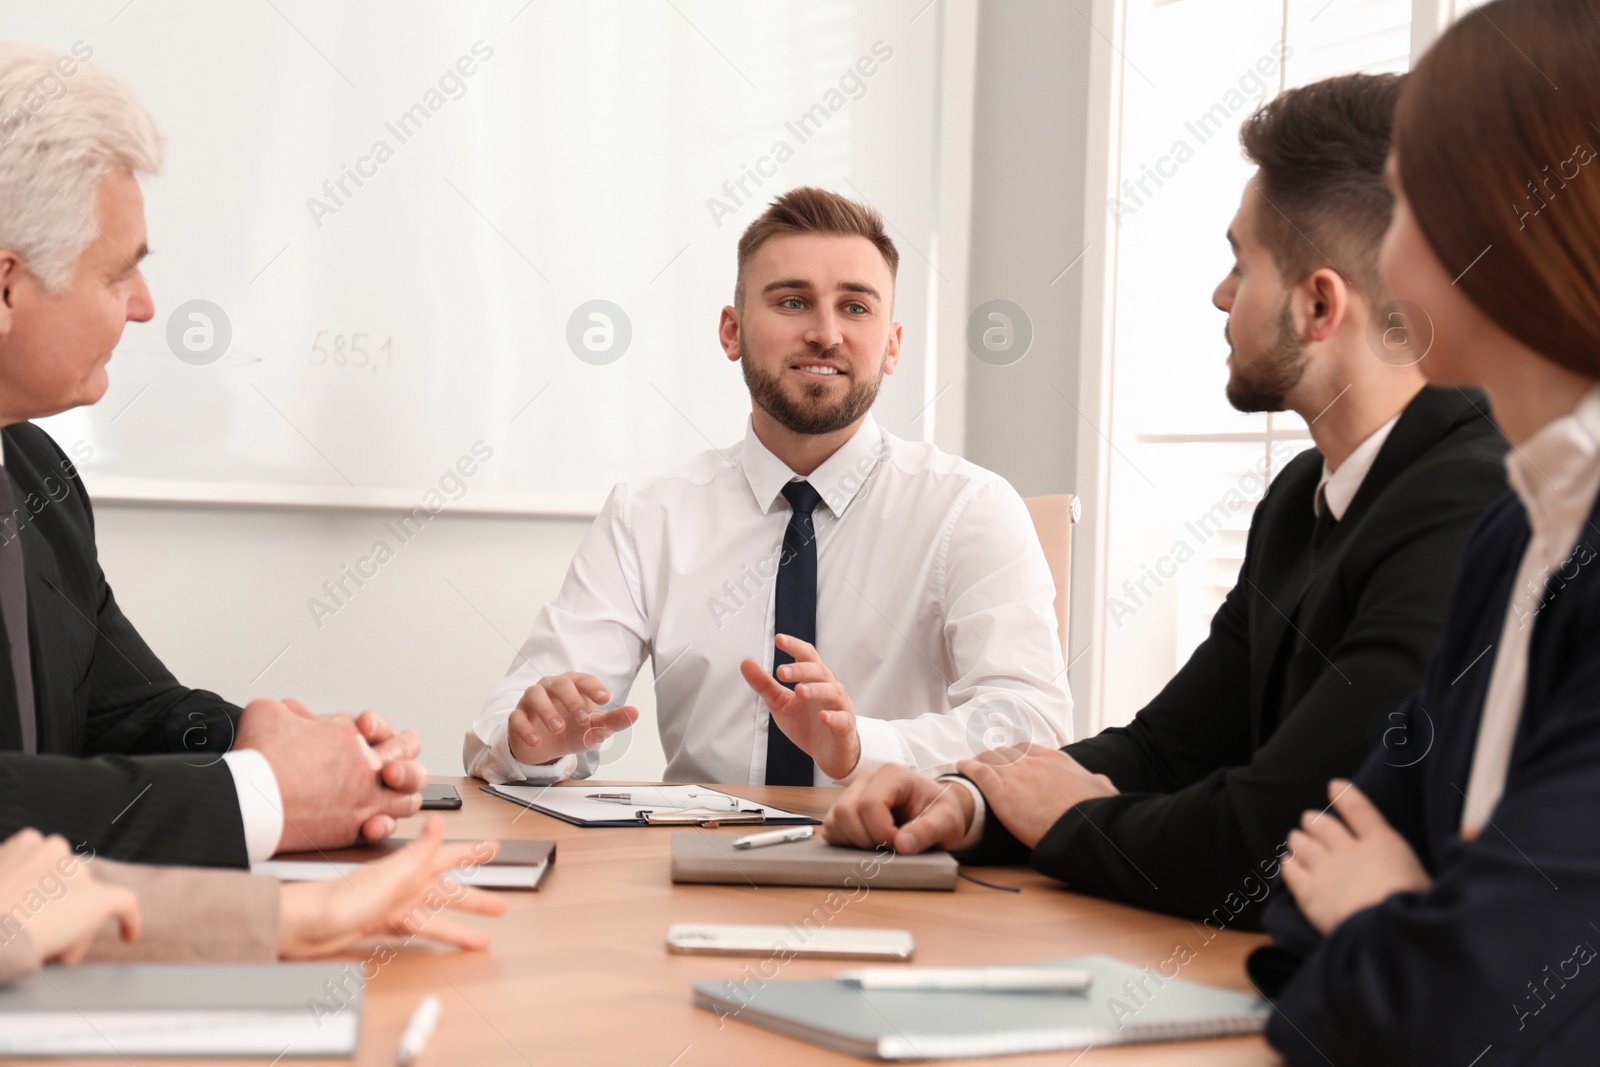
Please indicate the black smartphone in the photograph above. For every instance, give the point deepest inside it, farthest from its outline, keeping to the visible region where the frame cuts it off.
(437, 797)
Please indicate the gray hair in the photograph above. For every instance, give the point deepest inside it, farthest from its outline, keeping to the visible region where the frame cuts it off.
(64, 126)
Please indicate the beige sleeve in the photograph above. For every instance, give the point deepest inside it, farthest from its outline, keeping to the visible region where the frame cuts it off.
(190, 913)
(17, 957)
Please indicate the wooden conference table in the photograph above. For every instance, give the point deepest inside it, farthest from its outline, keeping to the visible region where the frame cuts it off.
(579, 974)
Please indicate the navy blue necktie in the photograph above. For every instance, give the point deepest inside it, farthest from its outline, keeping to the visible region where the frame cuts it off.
(795, 614)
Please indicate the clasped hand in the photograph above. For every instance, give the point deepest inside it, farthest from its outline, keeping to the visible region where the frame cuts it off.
(341, 777)
(1027, 787)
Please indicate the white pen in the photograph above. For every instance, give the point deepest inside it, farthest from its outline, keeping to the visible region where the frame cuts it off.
(775, 837)
(972, 979)
(418, 1030)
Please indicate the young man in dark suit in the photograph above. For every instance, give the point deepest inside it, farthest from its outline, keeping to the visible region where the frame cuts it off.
(1441, 909)
(98, 741)
(1348, 569)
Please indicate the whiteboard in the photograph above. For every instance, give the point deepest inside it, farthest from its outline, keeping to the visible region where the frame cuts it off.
(394, 212)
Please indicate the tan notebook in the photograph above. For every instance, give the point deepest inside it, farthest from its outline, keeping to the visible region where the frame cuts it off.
(706, 856)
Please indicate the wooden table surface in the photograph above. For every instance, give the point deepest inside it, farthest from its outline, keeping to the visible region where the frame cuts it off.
(579, 974)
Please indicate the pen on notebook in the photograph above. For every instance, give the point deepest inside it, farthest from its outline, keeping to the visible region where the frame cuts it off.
(972, 979)
(774, 837)
(418, 1030)
(610, 798)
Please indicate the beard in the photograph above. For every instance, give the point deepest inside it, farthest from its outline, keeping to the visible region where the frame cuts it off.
(1265, 385)
(810, 412)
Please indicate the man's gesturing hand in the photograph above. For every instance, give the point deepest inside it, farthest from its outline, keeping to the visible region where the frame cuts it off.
(896, 806)
(1029, 787)
(335, 786)
(817, 714)
(557, 716)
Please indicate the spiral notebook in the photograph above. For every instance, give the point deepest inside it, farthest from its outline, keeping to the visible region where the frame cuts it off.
(1124, 1005)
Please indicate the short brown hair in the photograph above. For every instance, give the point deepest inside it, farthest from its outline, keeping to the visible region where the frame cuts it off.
(812, 210)
(1321, 150)
(1497, 167)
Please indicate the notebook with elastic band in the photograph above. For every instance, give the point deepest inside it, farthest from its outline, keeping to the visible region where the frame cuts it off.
(702, 856)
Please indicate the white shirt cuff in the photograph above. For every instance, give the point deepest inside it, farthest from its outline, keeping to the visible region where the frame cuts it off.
(880, 744)
(980, 812)
(260, 802)
(486, 754)
(548, 773)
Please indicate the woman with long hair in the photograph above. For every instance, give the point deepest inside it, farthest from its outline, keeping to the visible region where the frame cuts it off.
(1445, 905)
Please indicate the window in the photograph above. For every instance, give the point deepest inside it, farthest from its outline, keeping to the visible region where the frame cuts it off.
(1184, 471)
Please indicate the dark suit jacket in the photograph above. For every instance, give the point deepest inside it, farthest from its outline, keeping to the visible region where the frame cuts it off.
(130, 761)
(1502, 950)
(1216, 769)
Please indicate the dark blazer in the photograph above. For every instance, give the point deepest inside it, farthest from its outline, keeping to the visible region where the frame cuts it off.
(130, 761)
(1498, 959)
(1217, 768)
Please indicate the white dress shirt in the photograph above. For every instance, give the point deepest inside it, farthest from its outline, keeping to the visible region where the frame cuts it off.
(260, 802)
(1556, 473)
(934, 610)
(1338, 486)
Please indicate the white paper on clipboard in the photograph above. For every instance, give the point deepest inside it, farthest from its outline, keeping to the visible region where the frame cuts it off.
(574, 803)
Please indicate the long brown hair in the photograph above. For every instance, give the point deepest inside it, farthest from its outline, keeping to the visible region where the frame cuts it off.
(1498, 138)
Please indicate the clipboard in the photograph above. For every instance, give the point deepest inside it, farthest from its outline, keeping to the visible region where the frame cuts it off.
(648, 805)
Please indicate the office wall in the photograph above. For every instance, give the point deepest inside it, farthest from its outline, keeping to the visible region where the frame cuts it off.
(1025, 418)
(221, 593)
(1029, 133)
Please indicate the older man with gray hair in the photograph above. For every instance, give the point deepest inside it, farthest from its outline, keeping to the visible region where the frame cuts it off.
(98, 741)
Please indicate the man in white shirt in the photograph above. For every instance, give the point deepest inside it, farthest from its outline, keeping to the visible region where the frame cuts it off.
(901, 593)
